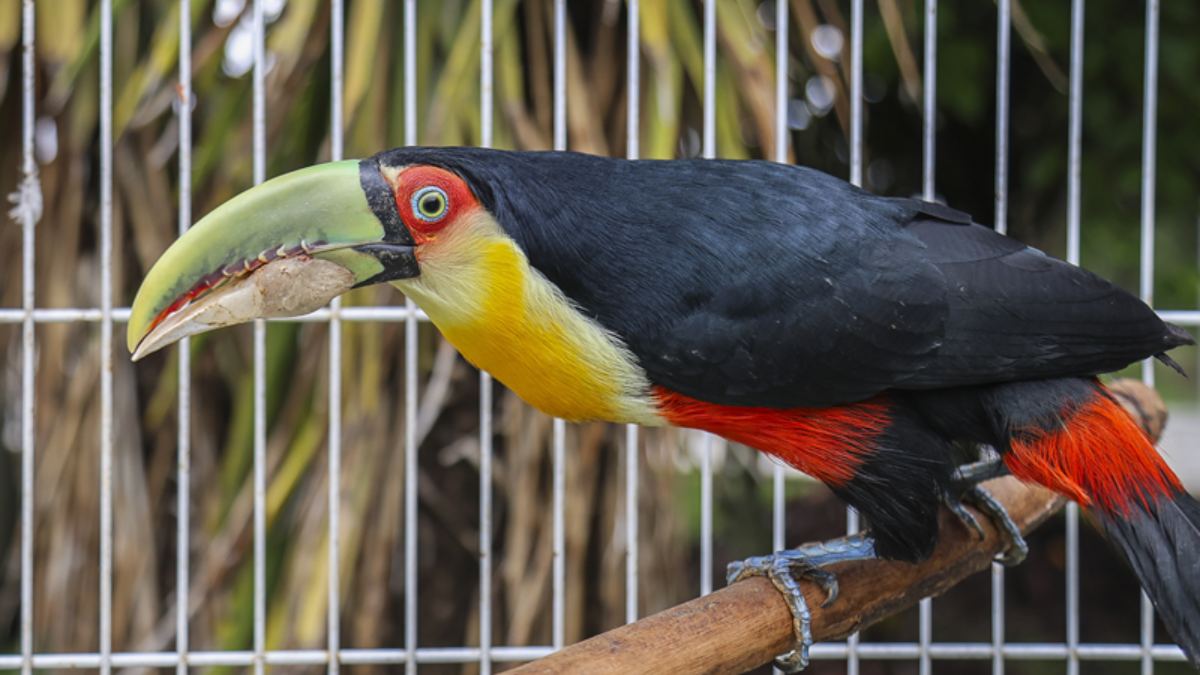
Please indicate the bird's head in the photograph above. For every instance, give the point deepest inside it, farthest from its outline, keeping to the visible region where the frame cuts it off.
(293, 243)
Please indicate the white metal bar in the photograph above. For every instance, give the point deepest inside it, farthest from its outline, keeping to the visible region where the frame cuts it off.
(333, 633)
(1146, 285)
(1075, 132)
(1003, 40)
(1003, 60)
(379, 313)
(485, 522)
(633, 74)
(929, 108)
(486, 92)
(856, 92)
(708, 151)
(1027, 651)
(27, 211)
(183, 456)
(363, 314)
(928, 166)
(631, 523)
(779, 486)
(558, 469)
(1072, 588)
(1149, 140)
(106, 347)
(709, 131)
(853, 525)
(633, 52)
(260, 358)
(856, 178)
(1074, 181)
(411, 336)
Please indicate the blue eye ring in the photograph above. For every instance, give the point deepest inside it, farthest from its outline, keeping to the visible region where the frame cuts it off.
(430, 204)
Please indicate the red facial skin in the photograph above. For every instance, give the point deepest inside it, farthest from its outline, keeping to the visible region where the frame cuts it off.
(460, 200)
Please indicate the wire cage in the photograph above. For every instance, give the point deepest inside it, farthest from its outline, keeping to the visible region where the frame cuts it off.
(488, 649)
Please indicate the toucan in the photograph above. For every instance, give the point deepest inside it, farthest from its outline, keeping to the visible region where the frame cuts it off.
(890, 347)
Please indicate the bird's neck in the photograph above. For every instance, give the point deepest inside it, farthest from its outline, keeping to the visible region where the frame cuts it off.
(506, 318)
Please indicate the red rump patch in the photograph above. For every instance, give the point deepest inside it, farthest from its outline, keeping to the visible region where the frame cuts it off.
(828, 444)
(1099, 457)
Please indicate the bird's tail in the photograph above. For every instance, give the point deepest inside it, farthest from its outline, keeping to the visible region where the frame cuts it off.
(1097, 455)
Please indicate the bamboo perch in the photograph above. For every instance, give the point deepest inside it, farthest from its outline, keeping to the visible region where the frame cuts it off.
(747, 624)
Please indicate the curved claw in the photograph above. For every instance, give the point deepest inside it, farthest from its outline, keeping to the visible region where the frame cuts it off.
(1017, 549)
(785, 569)
(964, 516)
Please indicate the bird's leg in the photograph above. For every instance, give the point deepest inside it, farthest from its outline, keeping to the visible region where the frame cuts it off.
(785, 569)
(991, 466)
(966, 490)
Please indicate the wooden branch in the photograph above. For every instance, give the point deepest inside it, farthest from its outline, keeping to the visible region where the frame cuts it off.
(747, 624)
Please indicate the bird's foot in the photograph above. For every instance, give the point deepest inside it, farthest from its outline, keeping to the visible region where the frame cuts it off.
(981, 499)
(1016, 550)
(785, 569)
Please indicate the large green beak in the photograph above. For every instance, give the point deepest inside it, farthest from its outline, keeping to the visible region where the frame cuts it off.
(283, 248)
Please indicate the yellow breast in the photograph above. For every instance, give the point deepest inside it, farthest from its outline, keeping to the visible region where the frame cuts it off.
(508, 319)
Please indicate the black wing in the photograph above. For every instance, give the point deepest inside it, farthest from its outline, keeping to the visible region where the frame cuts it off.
(754, 283)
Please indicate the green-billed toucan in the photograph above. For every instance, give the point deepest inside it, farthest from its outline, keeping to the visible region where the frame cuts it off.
(881, 345)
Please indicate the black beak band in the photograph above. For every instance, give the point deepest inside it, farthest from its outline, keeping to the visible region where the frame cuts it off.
(398, 260)
(395, 252)
(382, 201)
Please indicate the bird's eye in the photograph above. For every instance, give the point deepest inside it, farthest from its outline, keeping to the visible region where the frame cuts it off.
(430, 204)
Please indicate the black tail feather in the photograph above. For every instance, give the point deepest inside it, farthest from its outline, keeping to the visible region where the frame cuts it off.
(1162, 544)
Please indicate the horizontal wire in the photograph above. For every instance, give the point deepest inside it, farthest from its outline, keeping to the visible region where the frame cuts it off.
(820, 651)
(382, 313)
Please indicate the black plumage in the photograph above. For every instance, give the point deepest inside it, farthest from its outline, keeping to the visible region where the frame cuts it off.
(776, 287)
(756, 283)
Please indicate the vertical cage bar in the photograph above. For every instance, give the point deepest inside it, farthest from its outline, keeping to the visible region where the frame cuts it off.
(333, 634)
(856, 178)
(183, 460)
(1072, 588)
(631, 529)
(485, 523)
(106, 325)
(708, 151)
(485, 380)
(1003, 24)
(260, 358)
(929, 107)
(410, 372)
(1146, 285)
(1003, 60)
(631, 430)
(856, 92)
(709, 131)
(1074, 180)
(928, 165)
(27, 211)
(558, 487)
(779, 486)
(1075, 132)
(1149, 139)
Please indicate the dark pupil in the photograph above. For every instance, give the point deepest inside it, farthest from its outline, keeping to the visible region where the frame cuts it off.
(431, 204)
